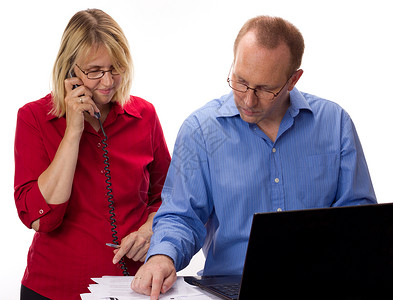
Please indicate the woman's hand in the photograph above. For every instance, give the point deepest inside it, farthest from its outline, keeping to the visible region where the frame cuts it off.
(77, 102)
(136, 244)
(55, 183)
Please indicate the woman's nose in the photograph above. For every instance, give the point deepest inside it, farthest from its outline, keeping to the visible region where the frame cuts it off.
(107, 79)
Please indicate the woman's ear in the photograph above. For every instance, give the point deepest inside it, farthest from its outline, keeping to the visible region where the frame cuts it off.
(295, 77)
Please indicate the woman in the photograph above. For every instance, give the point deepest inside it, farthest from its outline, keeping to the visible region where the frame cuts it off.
(90, 162)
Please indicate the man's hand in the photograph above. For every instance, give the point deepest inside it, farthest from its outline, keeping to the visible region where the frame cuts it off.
(156, 276)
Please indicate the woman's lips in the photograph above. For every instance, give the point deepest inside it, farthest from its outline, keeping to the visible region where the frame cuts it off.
(105, 91)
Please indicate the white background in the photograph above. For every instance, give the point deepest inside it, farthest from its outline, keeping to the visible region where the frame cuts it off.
(182, 51)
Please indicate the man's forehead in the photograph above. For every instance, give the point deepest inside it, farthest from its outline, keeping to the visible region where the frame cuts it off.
(252, 58)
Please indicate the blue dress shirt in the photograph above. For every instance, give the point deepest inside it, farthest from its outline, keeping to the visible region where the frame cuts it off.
(224, 170)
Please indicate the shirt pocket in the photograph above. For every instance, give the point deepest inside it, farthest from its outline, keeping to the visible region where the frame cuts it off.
(317, 179)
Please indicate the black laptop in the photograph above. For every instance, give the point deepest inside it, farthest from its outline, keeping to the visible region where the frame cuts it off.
(337, 253)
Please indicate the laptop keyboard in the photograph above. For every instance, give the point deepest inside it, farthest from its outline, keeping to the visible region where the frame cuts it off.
(230, 289)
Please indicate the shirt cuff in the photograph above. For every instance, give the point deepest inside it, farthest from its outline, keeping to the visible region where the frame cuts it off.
(165, 248)
(36, 206)
(54, 218)
(50, 215)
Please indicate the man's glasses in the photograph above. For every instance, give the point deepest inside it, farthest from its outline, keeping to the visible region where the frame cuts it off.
(259, 92)
(98, 74)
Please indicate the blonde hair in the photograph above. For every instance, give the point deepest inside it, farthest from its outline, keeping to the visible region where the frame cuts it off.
(86, 30)
(270, 32)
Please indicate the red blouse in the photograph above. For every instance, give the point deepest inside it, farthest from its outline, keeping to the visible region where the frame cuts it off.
(70, 247)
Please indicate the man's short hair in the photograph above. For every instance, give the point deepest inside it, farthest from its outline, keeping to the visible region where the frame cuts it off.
(272, 31)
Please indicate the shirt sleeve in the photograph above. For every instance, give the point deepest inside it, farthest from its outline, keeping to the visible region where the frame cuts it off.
(31, 160)
(158, 168)
(179, 225)
(354, 182)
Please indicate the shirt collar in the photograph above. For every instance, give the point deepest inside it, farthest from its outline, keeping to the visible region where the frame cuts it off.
(228, 107)
(298, 102)
(128, 108)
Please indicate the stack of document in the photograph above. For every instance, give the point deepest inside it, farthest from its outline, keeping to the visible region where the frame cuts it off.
(119, 288)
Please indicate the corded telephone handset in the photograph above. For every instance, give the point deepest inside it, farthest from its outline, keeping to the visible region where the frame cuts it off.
(111, 205)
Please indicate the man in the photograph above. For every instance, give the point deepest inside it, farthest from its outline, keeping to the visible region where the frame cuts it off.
(264, 147)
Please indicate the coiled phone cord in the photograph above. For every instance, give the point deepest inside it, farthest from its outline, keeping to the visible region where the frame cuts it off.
(111, 206)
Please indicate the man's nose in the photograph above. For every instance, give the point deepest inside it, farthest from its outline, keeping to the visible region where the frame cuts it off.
(250, 98)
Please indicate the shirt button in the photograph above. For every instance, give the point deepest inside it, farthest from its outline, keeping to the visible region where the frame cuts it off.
(274, 150)
(276, 180)
(279, 209)
(99, 145)
(41, 211)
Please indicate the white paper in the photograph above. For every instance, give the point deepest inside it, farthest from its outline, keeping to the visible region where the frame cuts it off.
(119, 288)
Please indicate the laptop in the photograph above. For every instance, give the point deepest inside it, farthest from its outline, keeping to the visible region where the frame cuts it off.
(340, 252)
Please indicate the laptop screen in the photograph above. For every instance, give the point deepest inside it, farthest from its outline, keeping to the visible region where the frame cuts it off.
(347, 248)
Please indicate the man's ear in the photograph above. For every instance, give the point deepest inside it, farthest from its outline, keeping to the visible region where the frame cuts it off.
(294, 79)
